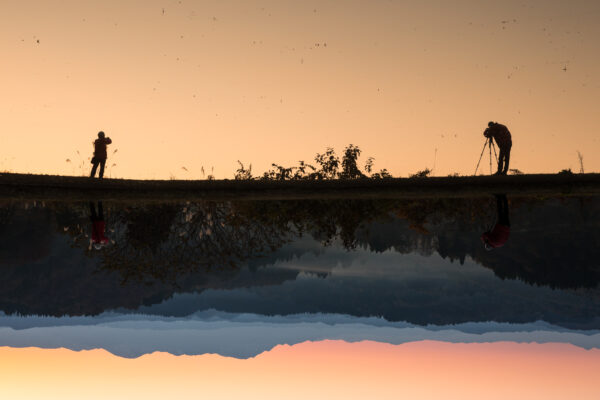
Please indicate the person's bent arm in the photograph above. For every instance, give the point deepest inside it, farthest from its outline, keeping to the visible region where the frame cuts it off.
(107, 140)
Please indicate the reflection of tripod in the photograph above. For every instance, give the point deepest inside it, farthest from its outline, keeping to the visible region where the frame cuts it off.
(490, 143)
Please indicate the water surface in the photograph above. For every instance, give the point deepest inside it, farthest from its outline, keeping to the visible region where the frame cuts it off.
(242, 279)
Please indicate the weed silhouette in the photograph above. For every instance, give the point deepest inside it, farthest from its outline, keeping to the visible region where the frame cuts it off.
(580, 157)
(242, 173)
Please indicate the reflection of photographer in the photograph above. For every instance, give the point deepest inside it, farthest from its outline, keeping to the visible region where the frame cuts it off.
(499, 234)
(98, 226)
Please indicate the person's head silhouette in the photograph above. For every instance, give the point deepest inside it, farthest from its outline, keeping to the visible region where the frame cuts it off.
(101, 135)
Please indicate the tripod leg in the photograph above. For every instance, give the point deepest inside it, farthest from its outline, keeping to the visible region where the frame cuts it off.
(490, 146)
(481, 155)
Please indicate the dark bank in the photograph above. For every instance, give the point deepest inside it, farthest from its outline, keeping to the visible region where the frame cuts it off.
(62, 188)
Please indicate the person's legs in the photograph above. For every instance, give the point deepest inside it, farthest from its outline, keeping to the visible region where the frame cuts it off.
(506, 160)
(102, 163)
(500, 160)
(95, 166)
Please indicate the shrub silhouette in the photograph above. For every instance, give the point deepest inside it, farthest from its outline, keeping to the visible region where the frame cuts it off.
(349, 168)
(421, 174)
(327, 168)
(382, 174)
(329, 163)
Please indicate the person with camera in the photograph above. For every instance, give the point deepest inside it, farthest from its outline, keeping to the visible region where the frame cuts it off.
(100, 154)
(504, 141)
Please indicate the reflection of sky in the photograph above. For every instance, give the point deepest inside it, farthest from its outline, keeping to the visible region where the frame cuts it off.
(247, 335)
(312, 370)
(401, 287)
(461, 301)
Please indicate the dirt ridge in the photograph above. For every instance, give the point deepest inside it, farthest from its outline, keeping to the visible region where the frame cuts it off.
(53, 187)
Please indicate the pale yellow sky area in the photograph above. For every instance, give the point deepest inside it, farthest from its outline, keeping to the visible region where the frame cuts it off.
(204, 83)
(319, 370)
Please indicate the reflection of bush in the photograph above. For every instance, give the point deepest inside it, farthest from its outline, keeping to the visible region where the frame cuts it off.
(167, 242)
(221, 235)
(150, 226)
(325, 220)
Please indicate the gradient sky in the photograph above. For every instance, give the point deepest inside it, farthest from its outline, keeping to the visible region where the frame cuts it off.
(315, 370)
(204, 83)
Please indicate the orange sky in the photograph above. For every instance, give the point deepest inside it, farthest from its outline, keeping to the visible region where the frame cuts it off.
(328, 370)
(207, 83)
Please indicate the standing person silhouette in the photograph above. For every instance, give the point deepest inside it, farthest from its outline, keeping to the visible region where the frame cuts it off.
(504, 142)
(100, 154)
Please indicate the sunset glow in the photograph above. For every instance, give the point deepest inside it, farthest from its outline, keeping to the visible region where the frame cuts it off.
(185, 86)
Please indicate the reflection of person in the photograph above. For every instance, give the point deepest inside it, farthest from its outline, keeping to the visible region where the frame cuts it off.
(504, 142)
(98, 226)
(501, 230)
(100, 154)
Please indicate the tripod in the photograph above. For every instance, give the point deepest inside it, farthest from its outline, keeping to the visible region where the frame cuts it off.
(490, 143)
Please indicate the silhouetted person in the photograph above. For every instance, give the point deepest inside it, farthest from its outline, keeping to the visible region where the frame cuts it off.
(100, 154)
(504, 142)
(501, 230)
(98, 226)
